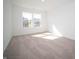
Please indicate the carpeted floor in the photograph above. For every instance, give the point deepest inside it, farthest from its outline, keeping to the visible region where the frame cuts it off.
(31, 47)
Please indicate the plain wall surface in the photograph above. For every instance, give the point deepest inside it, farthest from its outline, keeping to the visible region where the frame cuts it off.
(17, 21)
(7, 23)
(63, 17)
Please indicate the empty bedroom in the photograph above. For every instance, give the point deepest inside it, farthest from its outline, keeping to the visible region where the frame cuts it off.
(39, 29)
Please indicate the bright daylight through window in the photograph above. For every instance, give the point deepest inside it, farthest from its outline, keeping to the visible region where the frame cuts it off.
(31, 19)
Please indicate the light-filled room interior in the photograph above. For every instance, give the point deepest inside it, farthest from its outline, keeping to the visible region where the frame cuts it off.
(39, 29)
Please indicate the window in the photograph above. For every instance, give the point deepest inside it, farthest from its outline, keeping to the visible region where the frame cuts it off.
(31, 19)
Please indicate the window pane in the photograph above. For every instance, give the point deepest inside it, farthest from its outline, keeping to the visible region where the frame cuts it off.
(27, 15)
(25, 23)
(31, 20)
(36, 20)
(37, 16)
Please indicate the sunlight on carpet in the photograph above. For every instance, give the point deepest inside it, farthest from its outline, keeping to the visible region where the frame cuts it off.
(49, 36)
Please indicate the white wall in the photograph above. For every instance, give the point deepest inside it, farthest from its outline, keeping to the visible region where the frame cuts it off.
(63, 17)
(18, 21)
(7, 24)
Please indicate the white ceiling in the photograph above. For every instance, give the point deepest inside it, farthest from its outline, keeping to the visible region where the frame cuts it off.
(48, 4)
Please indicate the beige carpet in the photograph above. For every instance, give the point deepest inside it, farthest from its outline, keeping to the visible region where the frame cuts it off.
(31, 47)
